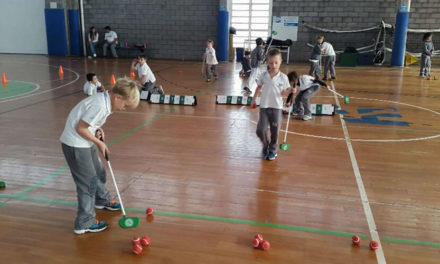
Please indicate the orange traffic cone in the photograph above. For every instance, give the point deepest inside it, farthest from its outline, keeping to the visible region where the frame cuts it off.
(60, 70)
(132, 76)
(112, 80)
(4, 80)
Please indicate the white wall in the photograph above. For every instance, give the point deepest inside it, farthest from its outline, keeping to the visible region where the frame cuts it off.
(22, 27)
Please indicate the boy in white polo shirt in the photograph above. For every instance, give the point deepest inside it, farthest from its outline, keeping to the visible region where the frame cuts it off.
(272, 85)
(330, 58)
(210, 60)
(110, 39)
(81, 143)
(92, 86)
(146, 76)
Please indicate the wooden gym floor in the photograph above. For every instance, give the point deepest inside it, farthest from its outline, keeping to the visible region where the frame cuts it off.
(200, 169)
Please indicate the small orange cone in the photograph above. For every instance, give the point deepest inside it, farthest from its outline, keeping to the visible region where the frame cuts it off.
(112, 80)
(60, 71)
(4, 80)
(132, 76)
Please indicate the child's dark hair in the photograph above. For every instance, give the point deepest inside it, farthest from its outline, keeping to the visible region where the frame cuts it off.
(273, 53)
(107, 27)
(259, 41)
(247, 52)
(142, 56)
(320, 37)
(292, 76)
(90, 76)
(210, 41)
(427, 35)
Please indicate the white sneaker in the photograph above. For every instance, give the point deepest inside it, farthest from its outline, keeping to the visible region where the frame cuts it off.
(160, 89)
(94, 55)
(89, 57)
(307, 117)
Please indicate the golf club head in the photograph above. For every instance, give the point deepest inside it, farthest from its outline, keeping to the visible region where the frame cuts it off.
(128, 222)
(284, 146)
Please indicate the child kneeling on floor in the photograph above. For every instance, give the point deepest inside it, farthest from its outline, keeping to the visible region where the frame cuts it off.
(80, 142)
(147, 79)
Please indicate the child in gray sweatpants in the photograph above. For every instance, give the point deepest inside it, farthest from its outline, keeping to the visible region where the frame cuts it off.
(315, 58)
(307, 87)
(80, 142)
(272, 85)
(425, 61)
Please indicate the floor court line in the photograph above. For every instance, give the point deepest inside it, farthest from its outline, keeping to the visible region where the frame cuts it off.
(374, 234)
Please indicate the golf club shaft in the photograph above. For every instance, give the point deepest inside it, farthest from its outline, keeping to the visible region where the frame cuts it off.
(287, 125)
(333, 91)
(116, 186)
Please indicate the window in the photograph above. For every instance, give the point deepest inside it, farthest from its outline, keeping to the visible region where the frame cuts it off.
(251, 19)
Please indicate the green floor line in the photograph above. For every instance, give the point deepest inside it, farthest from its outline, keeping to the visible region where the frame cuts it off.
(43, 181)
(235, 221)
(248, 222)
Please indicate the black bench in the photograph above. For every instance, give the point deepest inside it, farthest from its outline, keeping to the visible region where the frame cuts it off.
(124, 50)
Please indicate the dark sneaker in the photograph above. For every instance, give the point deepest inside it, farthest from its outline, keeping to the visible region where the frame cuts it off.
(272, 155)
(333, 78)
(112, 206)
(324, 79)
(98, 226)
(264, 153)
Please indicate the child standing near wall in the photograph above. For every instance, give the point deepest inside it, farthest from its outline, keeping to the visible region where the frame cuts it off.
(257, 58)
(425, 61)
(315, 58)
(210, 60)
(246, 64)
(330, 58)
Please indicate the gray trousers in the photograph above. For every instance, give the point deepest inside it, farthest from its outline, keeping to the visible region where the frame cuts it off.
(330, 65)
(211, 68)
(302, 100)
(89, 176)
(314, 69)
(112, 48)
(425, 65)
(269, 117)
(151, 88)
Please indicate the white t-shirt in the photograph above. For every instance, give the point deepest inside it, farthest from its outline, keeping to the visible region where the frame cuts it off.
(305, 82)
(111, 36)
(90, 88)
(145, 70)
(328, 49)
(93, 110)
(211, 59)
(271, 91)
(95, 38)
